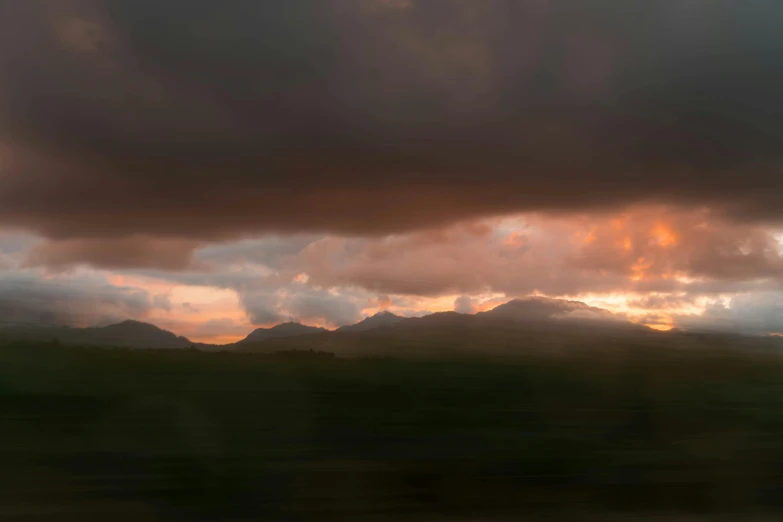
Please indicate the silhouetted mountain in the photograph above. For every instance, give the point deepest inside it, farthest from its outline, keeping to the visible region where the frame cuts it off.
(519, 326)
(544, 312)
(127, 334)
(537, 308)
(280, 331)
(380, 319)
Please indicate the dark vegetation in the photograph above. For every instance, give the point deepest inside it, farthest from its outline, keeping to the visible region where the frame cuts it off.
(99, 434)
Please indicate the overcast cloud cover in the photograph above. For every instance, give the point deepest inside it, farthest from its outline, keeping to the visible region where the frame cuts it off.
(322, 160)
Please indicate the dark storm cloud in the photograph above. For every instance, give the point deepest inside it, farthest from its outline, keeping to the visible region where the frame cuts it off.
(207, 120)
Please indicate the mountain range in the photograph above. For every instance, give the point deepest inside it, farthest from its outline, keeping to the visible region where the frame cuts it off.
(127, 334)
(527, 324)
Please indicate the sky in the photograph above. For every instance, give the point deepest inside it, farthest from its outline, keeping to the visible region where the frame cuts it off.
(213, 167)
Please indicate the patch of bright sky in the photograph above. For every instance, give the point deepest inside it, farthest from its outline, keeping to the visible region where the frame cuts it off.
(622, 304)
(191, 306)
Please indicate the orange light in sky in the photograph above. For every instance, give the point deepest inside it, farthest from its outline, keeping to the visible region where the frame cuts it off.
(662, 327)
(384, 302)
(639, 269)
(619, 223)
(590, 237)
(664, 236)
(515, 240)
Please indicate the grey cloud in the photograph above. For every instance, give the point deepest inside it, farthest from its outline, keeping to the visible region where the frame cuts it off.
(302, 304)
(322, 306)
(6, 262)
(262, 307)
(162, 301)
(270, 251)
(465, 305)
(757, 314)
(16, 243)
(190, 307)
(26, 298)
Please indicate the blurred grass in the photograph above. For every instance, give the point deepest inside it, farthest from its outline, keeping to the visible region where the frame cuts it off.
(97, 434)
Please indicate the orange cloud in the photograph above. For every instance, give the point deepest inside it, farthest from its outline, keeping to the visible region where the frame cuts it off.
(664, 236)
(639, 269)
(515, 240)
(590, 237)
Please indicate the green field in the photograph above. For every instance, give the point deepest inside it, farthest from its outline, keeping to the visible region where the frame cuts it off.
(102, 434)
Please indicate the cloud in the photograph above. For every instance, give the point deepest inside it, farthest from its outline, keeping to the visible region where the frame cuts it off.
(126, 252)
(755, 314)
(6, 262)
(162, 301)
(271, 251)
(78, 300)
(645, 249)
(322, 307)
(205, 122)
(384, 302)
(300, 303)
(16, 243)
(262, 307)
(465, 305)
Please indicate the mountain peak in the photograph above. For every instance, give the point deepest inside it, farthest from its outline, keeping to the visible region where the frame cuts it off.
(382, 318)
(289, 329)
(132, 324)
(539, 306)
(544, 309)
(385, 313)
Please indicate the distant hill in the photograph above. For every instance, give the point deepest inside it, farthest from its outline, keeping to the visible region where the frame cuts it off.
(127, 334)
(280, 331)
(384, 318)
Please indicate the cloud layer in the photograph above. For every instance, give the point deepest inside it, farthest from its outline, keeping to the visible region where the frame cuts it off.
(199, 121)
(81, 300)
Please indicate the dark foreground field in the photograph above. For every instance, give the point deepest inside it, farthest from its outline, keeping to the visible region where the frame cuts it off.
(91, 434)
